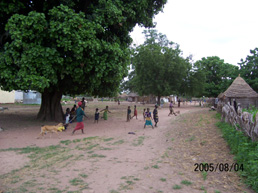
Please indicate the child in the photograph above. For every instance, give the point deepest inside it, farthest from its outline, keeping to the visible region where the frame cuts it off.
(73, 112)
(135, 112)
(144, 114)
(83, 103)
(67, 118)
(105, 113)
(171, 111)
(148, 118)
(155, 115)
(128, 114)
(96, 116)
(79, 116)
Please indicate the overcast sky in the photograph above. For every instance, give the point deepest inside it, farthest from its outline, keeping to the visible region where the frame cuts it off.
(224, 28)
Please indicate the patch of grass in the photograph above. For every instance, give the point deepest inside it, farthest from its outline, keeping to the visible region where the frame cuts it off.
(66, 142)
(92, 146)
(76, 140)
(177, 187)
(172, 139)
(203, 142)
(97, 155)
(113, 191)
(129, 182)
(108, 139)
(22, 189)
(76, 181)
(127, 186)
(90, 152)
(165, 155)
(83, 175)
(155, 166)
(118, 142)
(245, 152)
(217, 191)
(105, 148)
(136, 179)
(163, 179)
(145, 168)
(56, 190)
(139, 141)
(191, 138)
(204, 175)
(90, 138)
(186, 182)
(30, 183)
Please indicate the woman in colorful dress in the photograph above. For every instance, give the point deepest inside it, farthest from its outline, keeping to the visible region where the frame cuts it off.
(79, 117)
(105, 117)
(148, 118)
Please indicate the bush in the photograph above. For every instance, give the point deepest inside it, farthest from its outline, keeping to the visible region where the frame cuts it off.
(252, 110)
(245, 151)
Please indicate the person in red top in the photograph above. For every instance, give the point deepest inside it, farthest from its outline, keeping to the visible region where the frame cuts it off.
(135, 112)
(79, 117)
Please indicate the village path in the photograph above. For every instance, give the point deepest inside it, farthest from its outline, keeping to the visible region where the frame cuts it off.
(112, 161)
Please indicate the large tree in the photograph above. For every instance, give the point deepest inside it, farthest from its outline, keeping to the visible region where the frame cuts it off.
(249, 69)
(68, 46)
(218, 75)
(160, 69)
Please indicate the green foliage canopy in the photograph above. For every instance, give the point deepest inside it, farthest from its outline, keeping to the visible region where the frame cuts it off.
(159, 67)
(68, 46)
(76, 47)
(249, 69)
(218, 75)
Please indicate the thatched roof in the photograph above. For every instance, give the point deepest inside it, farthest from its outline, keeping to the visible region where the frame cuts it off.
(239, 89)
(132, 94)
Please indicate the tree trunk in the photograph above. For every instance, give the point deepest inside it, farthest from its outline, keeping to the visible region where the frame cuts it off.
(51, 108)
(158, 100)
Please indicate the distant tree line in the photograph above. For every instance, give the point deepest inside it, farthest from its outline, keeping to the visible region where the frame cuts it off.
(159, 69)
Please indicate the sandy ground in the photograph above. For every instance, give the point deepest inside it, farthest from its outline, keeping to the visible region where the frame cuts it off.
(108, 159)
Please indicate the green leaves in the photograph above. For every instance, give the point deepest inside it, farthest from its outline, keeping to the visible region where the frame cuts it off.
(74, 47)
(218, 75)
(245, 151)
(159, 68)
(249, 69)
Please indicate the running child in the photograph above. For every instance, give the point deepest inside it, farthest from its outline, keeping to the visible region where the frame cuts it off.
(73, 112)
(171, 111)
(79, 117)
(148, 118)
(129, 114)
(96, 116)
(105, 113)
(135, 112)
(155, 115)
(67, 118)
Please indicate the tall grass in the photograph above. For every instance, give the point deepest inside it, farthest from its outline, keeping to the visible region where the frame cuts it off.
(245, 151)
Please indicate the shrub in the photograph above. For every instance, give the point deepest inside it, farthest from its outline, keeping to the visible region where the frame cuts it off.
(245, 151)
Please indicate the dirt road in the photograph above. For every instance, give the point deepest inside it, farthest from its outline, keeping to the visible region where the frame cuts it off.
(109, 160)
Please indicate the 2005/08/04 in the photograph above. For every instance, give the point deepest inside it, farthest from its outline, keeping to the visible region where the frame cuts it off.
(222, 167)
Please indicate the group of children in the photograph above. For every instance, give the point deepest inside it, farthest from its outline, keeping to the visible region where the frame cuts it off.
(78, 113)
(147, 117)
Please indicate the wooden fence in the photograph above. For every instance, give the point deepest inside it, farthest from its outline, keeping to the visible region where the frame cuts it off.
(240, 120)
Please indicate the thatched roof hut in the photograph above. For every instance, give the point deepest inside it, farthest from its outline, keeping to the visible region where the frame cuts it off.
(240, 91)
(133, 97)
